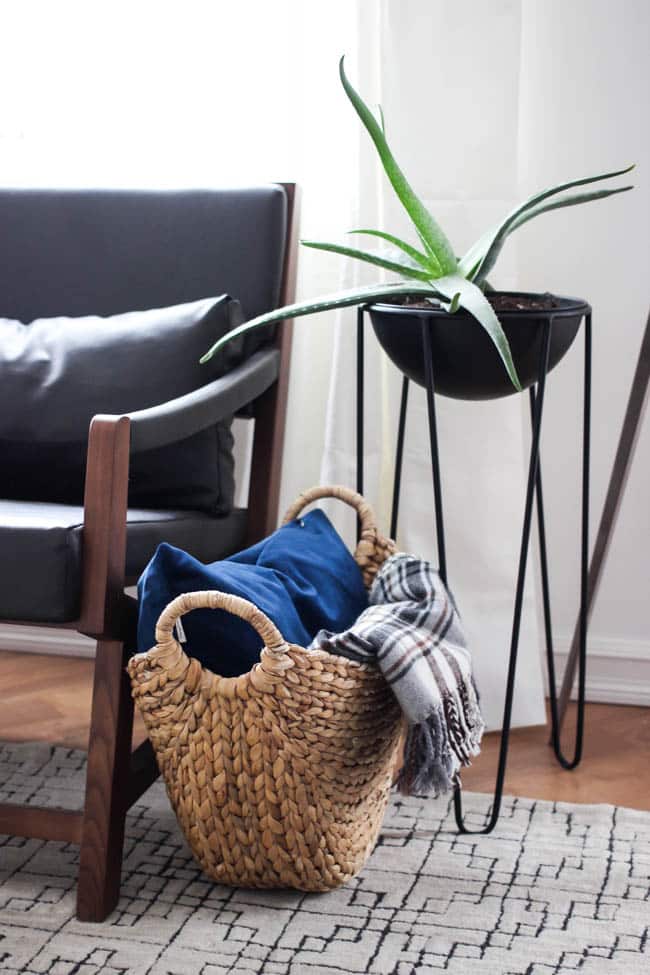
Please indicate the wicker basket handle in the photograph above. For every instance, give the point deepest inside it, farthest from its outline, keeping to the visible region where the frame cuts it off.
(355, 500)
(213, 599)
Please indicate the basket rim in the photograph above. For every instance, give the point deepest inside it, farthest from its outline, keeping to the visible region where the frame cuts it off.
(154, 653)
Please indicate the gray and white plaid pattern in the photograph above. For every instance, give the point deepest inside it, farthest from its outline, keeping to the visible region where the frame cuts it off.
(412, 632)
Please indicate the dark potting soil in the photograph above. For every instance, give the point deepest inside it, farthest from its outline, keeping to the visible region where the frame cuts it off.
(505, 302)
(498, 300)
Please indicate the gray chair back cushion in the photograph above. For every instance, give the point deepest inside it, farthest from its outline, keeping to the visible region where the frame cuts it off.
(102, 252)
(105, 252)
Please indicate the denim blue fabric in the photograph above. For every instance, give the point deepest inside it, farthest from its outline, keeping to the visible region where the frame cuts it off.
(302, 576)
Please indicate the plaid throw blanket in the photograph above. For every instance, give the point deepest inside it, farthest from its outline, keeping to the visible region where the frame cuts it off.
(412, 632)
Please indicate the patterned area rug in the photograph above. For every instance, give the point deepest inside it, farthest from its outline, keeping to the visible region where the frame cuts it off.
(557, 888)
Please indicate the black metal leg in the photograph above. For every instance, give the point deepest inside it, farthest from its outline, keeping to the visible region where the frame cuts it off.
(399, 454)
(433, 439)
(519, 596)
(533, 492)
(543, 560)
(584, 557)
(360, 407)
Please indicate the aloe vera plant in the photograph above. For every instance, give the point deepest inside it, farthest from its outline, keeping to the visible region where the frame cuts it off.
(432, 270)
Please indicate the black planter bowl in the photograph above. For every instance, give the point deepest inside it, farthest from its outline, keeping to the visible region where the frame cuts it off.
(465, 360)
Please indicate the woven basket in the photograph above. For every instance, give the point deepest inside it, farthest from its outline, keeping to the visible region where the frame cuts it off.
(279, 777)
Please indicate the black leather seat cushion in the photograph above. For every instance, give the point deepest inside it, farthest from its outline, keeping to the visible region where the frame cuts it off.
(40, 568)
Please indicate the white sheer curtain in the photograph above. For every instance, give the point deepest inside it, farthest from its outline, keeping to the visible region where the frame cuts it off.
(165, 93)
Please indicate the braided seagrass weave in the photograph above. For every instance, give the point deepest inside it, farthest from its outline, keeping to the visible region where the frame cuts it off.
(279, 777)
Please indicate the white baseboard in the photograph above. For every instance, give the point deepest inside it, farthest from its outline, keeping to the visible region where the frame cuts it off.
(37, 639)
(618, 671)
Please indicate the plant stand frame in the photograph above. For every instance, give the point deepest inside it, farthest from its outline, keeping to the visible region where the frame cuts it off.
(533, 493)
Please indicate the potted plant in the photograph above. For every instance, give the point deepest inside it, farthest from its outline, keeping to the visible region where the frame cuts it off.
(484, 343)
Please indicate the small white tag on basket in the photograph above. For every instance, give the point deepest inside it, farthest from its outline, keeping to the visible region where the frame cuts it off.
(180, 632)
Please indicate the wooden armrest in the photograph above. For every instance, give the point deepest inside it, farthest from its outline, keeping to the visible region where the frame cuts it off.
(186, 415)
(104, 532)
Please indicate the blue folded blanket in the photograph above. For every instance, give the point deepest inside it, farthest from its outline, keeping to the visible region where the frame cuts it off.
(302, 576)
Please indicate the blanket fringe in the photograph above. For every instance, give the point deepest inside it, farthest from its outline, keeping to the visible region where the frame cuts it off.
(436, 748)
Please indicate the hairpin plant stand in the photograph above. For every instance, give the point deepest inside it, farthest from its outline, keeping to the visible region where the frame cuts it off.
(533, 494)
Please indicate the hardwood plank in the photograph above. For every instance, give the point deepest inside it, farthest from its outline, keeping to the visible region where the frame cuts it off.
(48, 698)
(614, 768)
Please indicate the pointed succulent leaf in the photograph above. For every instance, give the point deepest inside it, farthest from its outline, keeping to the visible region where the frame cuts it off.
(462, 292)
(492, 241)
(469, 263)
(431, 234)
(472, 259)
(341, 299)
(410, 251)
(405, 269)
(566, 201)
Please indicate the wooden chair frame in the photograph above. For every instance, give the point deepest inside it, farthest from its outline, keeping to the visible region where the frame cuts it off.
(117, 775)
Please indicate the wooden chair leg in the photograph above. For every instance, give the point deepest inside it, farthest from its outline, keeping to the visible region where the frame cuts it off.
(107, 785)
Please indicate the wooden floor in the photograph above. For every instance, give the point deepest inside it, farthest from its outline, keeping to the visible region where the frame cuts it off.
(48, 698)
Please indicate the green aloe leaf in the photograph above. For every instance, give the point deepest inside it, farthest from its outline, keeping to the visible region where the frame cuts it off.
(430, 233)
(489, 245)
(342, 299)
(470, 262)
(410, 251)
(406, 269)
(459, 291)
(565, 201)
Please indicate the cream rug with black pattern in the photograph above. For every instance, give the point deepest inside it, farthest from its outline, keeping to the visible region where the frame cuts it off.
(557, 888)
